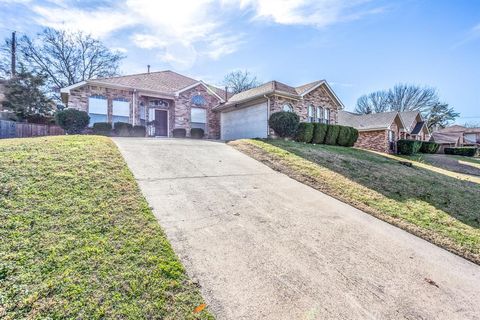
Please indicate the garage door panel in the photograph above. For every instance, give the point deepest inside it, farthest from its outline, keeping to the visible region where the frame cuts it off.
(250, 122)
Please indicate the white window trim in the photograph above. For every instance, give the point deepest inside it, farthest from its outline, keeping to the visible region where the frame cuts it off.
(206, 118)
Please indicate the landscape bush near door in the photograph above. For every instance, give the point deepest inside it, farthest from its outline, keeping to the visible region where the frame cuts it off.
(179, 133)
(284, 124)
(139, 131)
(102, 128)
(197, 133)
(319, 132)
(304, 132)
(408, 147)
(429, 147)
(122, 129)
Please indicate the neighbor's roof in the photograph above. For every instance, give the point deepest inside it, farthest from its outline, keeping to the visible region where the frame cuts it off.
(280, 88)
(459, 129)
(367, 122)
(446, 137)
(167, 82)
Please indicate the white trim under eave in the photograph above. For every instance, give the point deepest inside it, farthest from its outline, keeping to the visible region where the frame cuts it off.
(331, 92)
(73, 86)
(177, 93)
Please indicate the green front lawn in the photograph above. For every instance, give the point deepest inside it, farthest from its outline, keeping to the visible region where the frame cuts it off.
(438, 207)
(78, 239)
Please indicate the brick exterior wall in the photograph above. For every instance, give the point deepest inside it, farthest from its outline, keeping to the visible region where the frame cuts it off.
(377, 140)
(318, 98)
(373, 140)
(183, 105)
(178, 107)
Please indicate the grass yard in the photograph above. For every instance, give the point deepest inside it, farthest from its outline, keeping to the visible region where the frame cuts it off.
(460, 164)
(440, 208)
(78, 240)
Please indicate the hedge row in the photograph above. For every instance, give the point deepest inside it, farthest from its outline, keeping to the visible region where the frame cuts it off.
(320, 133)
(462, 151)
(121, 129)
(409, 147)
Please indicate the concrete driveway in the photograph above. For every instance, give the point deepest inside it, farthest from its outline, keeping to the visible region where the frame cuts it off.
(263, 246)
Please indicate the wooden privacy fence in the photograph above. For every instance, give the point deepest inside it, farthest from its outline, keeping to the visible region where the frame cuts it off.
(12, 129)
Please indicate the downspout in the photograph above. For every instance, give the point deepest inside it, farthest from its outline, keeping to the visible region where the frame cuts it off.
(268, 113)
(134, 105)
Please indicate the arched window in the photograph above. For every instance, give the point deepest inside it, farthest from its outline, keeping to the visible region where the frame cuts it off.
(319, 114)
(311, 113)
(97, 109)
(287, 107)
(198, 100)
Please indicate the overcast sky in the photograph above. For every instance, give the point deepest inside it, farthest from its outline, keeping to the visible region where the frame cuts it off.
(358, 46)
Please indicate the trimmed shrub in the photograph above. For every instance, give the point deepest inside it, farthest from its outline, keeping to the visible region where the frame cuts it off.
(284, 124)
(345, 136)
(304, 132)
(429, 147)
(139, 131)
(197, 133)
(461, 151)
(122, 129)
(332, 134)
(102, 128)
(71, 120)
(319, 133)
(408, 147)
(353, 137)
(179, 133)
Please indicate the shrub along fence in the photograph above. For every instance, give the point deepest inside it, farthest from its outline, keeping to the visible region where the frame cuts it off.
(12, 129)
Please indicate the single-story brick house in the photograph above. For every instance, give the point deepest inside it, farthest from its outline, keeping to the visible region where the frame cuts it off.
(455, 136)
(376, 131)
(166, 100)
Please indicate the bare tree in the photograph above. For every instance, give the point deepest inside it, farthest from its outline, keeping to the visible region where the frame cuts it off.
(372, 103)
(471, 124)
(238, 81)
(67, 57)
(405, 97)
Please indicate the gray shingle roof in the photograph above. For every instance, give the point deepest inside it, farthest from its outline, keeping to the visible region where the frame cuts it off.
(270, 87)
(304, 88)
(446, 137)
(408, 118)
(162, 81)
(373, 121)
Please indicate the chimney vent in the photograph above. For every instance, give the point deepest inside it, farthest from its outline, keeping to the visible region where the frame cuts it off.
(148, 68)
(226, 93)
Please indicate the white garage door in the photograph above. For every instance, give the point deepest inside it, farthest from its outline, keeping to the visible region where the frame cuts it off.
(249, 122)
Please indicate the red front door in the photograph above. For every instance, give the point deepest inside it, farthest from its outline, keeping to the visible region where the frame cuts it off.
(161, 123)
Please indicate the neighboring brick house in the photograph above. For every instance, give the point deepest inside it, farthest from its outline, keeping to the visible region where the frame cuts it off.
(376, 131)
(167, 100)
(415, 127)
(162, 101)
(456, 135)
(245, 115)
